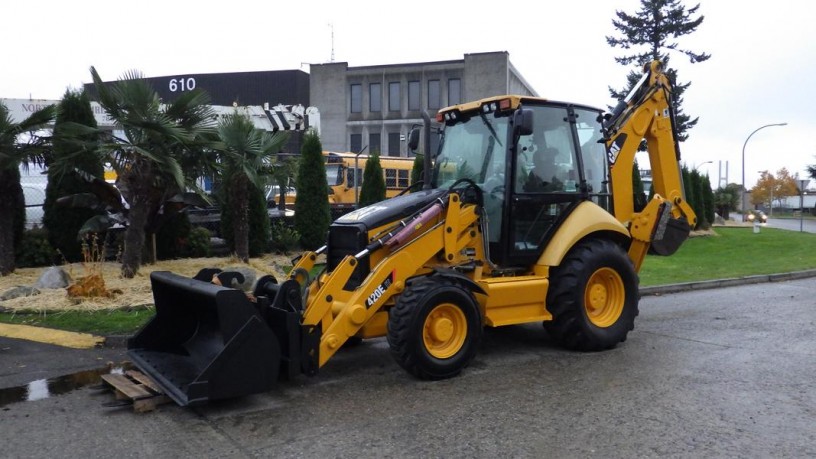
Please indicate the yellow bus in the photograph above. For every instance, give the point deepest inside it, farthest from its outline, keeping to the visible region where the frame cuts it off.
(342, 168)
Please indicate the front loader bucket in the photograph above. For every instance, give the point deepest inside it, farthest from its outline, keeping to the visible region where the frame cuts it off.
(206, 342)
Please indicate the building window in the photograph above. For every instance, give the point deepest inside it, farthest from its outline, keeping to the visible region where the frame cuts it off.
(434, 98)
(356, 142)
(375, 97)
(393, 143)
(454, 91)
(356, 98)
(394, 96)
(374, 144)
(413, 95)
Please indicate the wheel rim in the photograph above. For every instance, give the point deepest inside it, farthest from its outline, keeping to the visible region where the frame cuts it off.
(444, 331)
(604, 297)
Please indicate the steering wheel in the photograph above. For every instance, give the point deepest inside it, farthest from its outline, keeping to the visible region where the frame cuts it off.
(469, 193)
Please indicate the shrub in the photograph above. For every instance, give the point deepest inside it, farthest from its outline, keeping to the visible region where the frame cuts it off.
(172, 238)
(35, 250)
(198, 244)
(284, 238)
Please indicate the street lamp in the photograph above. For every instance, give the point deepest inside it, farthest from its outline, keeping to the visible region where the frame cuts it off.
(803, 183)
(702, 164)
(742, 201)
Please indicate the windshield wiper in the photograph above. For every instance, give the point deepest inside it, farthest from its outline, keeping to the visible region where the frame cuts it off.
(490, 127)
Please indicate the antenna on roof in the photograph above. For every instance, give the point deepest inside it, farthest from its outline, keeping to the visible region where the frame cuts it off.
(332, 41)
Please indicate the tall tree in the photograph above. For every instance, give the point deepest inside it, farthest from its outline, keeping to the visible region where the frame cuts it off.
(652, 33)
(418, 169)
(63, 223)
(373, 189)
(726, 199)
(16, 150)
(770, 188)
(312, 214)
(160, 143)
(246, 150)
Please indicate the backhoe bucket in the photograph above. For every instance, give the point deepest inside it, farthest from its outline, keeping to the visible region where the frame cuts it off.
(206, 342)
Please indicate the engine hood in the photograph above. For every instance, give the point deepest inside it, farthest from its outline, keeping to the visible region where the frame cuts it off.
(390, 210)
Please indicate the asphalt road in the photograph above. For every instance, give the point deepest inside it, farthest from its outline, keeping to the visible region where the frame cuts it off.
(807, 225)
(712, 373)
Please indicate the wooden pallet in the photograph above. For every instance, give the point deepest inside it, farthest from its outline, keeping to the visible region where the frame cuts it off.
(137, 389)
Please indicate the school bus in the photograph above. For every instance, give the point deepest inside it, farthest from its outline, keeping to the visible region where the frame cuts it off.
(342, 168)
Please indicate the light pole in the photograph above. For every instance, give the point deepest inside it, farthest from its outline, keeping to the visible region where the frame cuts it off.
(702, 164)
(742, 200)
(803, 183)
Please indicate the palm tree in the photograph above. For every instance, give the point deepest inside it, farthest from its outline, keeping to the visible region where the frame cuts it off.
(151, 150)
(13, 154)
(245, 151)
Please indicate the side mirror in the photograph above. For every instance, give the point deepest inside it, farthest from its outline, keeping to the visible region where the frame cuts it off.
(413, 139)
(523, 122)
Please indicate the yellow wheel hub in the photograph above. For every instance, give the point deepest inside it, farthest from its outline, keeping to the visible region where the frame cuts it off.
(444, 331)
(604, 297)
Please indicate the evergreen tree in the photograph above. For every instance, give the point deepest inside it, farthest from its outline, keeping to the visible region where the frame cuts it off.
(418, 169)
(312, 216)
(652, 33)
(726, 199)
(15, 153)
(373, 189)
(708, 198)
(696, 199)
(63, 223)
(639, 193)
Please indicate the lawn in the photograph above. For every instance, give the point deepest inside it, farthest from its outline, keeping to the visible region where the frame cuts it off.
(730, 252)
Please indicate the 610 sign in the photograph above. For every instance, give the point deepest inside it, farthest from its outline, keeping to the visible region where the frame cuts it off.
(182, 84)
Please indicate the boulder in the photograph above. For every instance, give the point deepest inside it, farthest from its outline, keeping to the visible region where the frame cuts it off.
(19, 291)
(53, 277)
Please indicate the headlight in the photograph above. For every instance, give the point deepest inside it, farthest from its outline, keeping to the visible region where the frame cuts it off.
(750, 217)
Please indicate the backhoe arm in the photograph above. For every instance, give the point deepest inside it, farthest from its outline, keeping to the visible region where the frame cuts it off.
(646, 113)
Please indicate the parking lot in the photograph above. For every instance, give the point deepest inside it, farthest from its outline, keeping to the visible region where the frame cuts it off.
(710, 373)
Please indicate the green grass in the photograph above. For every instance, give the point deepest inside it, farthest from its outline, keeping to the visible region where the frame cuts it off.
(734, 252)
(104, 323)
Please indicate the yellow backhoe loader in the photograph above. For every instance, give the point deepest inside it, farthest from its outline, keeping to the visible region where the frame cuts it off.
(528, 216)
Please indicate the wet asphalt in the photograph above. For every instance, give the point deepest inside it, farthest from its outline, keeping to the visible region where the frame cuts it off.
(725, 372)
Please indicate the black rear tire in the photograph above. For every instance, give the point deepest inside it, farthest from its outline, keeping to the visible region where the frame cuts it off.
(593, 297)
(435, 328)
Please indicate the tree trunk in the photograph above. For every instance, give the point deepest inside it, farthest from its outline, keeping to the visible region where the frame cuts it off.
(240, 224)
(134, 239)
(7, 216)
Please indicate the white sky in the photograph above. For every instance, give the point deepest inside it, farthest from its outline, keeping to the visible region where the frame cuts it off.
(763, 55)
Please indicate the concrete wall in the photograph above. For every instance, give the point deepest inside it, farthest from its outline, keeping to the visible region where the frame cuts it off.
(480, 74)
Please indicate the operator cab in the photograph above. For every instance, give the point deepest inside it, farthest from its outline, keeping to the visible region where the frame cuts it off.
(534, 161)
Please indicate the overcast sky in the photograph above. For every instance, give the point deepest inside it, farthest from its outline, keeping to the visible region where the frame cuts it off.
(761, 70)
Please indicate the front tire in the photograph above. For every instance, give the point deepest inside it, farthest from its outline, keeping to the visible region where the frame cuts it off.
(435, 328)
(593, 297)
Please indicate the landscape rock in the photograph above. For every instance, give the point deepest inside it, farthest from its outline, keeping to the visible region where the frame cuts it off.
(18, 292)
(53, 277)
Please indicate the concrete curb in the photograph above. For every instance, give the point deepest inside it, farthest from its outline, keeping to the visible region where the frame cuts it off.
(719, 283)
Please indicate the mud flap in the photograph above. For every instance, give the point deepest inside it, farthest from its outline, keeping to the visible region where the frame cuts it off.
(206, 342)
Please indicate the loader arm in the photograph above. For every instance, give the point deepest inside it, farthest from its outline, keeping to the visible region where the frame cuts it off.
(646, 113)
(446, 233)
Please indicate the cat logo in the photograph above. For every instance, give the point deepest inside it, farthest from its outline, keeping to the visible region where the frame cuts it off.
(615, 148)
